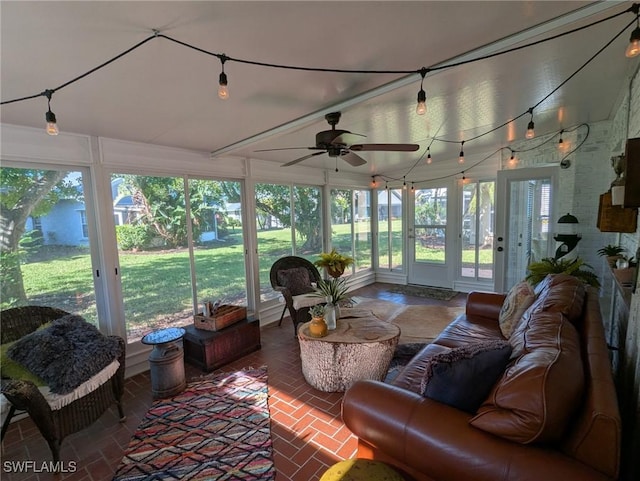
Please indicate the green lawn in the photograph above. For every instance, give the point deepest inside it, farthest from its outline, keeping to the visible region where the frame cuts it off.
(157, 284)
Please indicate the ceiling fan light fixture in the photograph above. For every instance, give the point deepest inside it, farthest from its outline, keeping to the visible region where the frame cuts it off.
(633, 49)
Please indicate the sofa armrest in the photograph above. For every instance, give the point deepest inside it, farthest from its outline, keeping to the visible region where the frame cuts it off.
(437, 440)
(484, 304)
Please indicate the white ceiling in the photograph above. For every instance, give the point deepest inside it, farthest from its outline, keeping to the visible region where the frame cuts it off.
(165, 94)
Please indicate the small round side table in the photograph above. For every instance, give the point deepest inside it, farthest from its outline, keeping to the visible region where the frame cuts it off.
(166, 361)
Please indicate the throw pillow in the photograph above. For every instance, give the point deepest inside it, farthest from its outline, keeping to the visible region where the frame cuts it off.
(10, 369)
(65, 354)
(296, 279)
(518, 300)
(536, 397)
(463, 377)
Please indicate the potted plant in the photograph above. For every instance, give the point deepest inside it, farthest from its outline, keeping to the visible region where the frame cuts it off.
(539, 270)
(625, 270)
(334, 291)
(317, 326)
(612, 253)
(334, 262)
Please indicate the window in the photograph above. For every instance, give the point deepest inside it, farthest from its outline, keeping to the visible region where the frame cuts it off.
(390, 240)
(430, 224)
(351, 226)
(289, 222)
(166, 263)
(83, 223)
(51, 263)
(477, 230)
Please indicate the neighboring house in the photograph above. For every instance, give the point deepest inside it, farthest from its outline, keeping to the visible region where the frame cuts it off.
(65, 224)
(384, 209)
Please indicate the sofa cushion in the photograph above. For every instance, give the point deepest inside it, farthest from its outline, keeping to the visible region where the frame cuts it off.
(296, 279)
(560, 293)
(518, 300)
(464, 376)
(539, 392)
(66, 353)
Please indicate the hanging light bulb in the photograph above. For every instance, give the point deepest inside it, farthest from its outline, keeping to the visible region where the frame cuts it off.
(386, 186)
(421, 107)
(373, 182)
(530, 127)
(461, 157)
(513, 161)
(633, 49)
(404, 183)
(412, 188)
(560, 141)
(429, 159)
(50, 117)
(223, 90)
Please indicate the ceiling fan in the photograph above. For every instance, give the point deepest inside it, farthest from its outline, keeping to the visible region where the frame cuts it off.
(341, 143)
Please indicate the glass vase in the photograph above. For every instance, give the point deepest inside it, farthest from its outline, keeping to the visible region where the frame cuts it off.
(330, 316)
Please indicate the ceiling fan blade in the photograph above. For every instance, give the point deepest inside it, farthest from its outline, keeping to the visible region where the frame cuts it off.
(385, 147)
(353, 159)
(347, 138)
(293, 162)
(288, 148)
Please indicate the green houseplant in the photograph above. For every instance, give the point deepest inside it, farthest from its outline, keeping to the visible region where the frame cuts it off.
(612, 253)
(334, 291)
(537, 271)
(334, 262)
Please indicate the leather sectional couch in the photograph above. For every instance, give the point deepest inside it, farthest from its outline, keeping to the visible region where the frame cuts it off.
(551, 415)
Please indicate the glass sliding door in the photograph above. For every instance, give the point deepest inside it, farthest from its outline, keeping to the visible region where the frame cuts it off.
(477, 230)
(45, 254)
(169, 265)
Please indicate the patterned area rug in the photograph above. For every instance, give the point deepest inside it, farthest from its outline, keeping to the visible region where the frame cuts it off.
(217, 429)
(430, 292)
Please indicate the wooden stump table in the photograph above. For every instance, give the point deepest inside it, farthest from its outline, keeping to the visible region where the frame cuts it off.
(359, 348)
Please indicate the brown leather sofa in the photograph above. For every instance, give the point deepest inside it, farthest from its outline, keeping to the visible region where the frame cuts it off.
(531, 427)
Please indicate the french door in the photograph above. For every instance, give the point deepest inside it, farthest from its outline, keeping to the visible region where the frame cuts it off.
(430, 244)
(524, 213)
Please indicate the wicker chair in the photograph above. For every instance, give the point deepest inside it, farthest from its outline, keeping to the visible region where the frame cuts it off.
(55, 425)
(298, 305)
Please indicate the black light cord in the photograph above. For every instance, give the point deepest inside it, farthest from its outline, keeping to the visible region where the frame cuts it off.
(223, 57)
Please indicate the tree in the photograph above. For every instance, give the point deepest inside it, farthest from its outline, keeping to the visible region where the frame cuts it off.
(162, 203)
(25, 193)
(274, 201)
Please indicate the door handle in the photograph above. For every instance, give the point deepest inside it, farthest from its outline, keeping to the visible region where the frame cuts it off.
(499, 249)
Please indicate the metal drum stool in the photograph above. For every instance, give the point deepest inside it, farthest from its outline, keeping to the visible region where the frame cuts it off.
(166, 361)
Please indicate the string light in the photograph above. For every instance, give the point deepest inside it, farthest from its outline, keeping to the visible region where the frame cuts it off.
(50, 117)
(223, 81)
(560, 141)
(429, 159)
(530, 126)
(404, 182)
(386, 186)
(512, 161)
(223, 90)
(373, 181)
(421, 107)
(412, 187)
(461, 157)
(633, 49)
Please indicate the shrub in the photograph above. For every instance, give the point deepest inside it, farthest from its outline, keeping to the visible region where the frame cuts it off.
(132, 236)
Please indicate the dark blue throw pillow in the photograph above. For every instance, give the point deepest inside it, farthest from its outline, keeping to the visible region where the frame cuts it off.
(463, 377)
